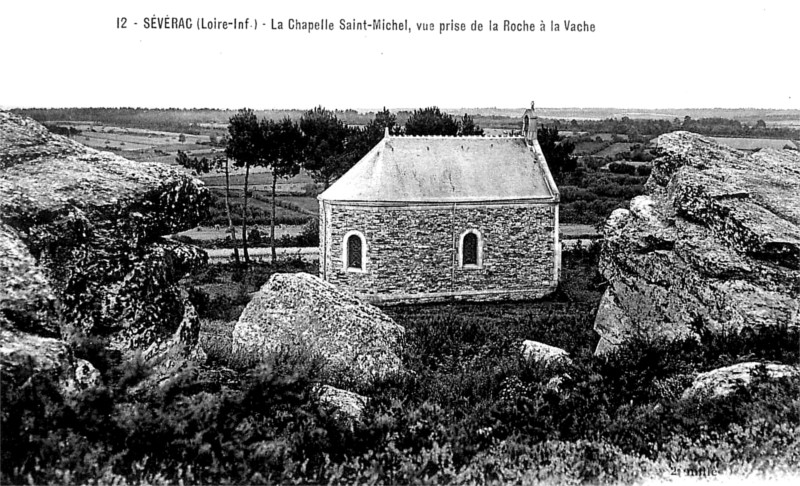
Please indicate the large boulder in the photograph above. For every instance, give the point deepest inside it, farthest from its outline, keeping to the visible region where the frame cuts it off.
(82, 252)
(714, 245)
(355, 340)
(724, 381)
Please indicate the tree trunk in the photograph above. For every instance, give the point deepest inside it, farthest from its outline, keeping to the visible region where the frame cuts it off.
(244, 215)
(272, 219)
(228, 211)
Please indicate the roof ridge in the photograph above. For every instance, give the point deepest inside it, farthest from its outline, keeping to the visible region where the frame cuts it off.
(458, 137)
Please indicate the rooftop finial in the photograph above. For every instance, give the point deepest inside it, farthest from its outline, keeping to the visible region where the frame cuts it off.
(532, 106)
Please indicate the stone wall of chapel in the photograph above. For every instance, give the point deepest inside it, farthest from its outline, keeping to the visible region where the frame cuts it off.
(412, 252)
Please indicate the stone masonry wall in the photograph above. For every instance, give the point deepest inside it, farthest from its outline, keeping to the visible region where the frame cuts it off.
(412, 252)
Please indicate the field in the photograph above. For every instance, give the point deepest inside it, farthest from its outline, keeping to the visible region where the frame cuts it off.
(261, 180)
(578, 231)
(613, 150)
(756, 143)
(145, 145)
(140, 144)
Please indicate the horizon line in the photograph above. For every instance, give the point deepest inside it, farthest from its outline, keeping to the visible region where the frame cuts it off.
(393, 109)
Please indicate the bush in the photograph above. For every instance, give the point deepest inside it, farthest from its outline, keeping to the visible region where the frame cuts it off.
(309, 236)
(254, 236)
(621, 168)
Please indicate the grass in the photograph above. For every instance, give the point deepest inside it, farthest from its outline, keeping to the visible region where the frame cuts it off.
(589, 148)
(257, 179)
(209, 233)
(129, 139)
(259, 199)
(259, 207)
(578, 231)
(614, 149)
(308, 204)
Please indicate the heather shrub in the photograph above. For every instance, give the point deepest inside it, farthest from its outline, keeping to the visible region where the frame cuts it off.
(470, 409)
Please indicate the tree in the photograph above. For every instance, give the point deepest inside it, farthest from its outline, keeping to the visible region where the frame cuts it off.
(362, 141)
(204, 166)
(431, 121)
(467, 126)
(376, 128)
(245, 147)
(557, 152)
(282, 151)
(325, 139)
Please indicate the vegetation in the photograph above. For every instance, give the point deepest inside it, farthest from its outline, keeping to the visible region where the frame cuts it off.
(220, 292)
(588, 196)
(432, 121)
(204, 166)
(245, 148)
(557, 151)
(642, 130)
(201, 166)
(374, 131)
(283, 145)
(308, 236)
(327, 154)
(469, 411)
(257, 212)
(196, 121)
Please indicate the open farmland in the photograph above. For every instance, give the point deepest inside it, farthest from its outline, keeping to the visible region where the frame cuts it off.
(140, 144)
(614, 149)
(261, 180)
(756, 143)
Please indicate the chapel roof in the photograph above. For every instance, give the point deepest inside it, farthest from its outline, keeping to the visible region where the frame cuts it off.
(431, 169)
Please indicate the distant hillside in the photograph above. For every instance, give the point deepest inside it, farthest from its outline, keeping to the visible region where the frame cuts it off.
(741, 114)
(198, 121)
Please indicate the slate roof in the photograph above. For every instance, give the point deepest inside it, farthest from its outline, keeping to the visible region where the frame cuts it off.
(431, 169)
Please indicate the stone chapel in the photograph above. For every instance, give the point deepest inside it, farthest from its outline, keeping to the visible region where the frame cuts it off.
(437, 218)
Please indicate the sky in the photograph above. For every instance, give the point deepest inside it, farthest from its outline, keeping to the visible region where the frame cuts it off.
(642, 54)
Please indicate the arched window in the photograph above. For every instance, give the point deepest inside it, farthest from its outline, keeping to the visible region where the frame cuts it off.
(470, 249)
(354, 252)
(469, 255)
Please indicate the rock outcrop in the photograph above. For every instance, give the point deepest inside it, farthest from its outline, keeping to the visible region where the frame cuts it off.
(355, 340)
(543, 353)
(724, 381)
(347, 405)
(715, 244)
(82, 253)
